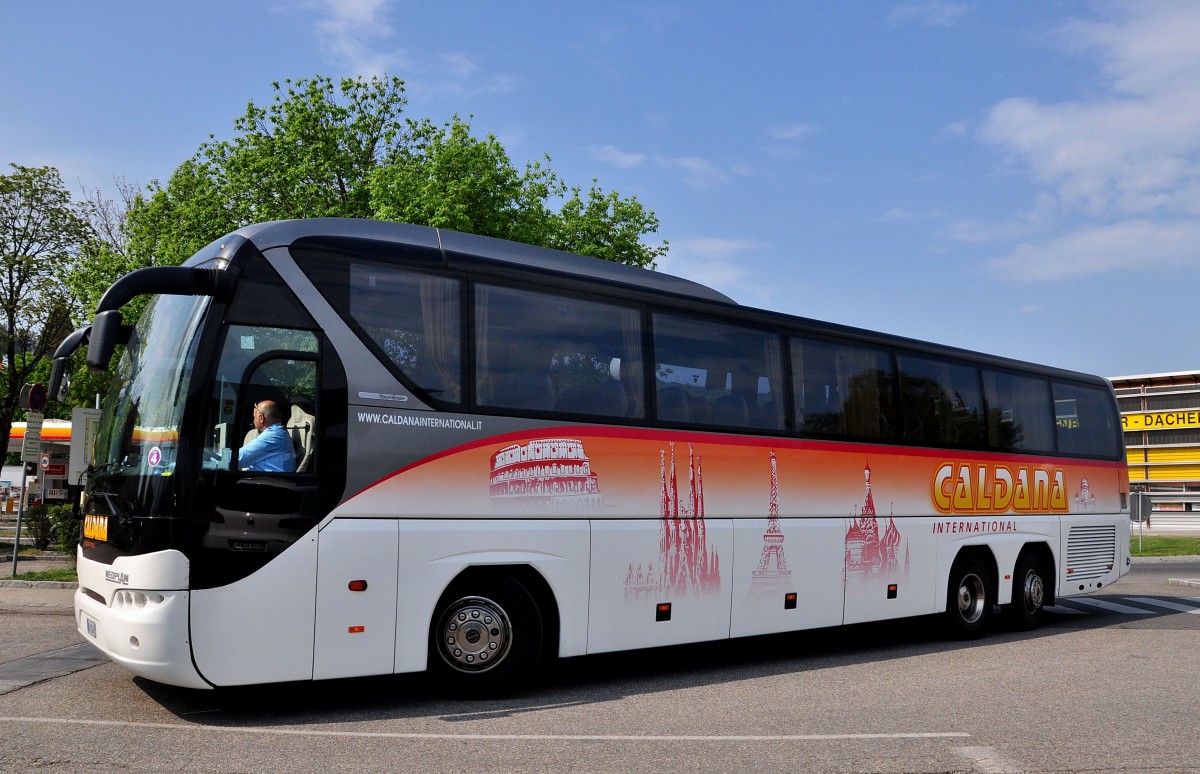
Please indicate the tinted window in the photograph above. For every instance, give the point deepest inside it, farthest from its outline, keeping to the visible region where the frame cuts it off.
(1085, 421)
(842, 389)
(545, 352)
(263, 364)
(941, 402)
(710, 373)
(1019, 414)
(412, 320)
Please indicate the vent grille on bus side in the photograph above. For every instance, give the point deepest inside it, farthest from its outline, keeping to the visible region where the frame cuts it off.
(1091, 552)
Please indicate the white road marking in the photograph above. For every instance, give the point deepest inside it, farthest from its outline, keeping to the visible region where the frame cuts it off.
(1110, 606)
(988, 761)
(1167, 604)
(492, 737)
(1063, 610)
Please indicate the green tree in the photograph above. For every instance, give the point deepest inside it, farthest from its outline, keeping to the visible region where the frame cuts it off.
(41, 234)
(321, 149)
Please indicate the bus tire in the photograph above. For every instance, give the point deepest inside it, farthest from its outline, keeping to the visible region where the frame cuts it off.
(968, 599)
(1025, 611)
(487, 635)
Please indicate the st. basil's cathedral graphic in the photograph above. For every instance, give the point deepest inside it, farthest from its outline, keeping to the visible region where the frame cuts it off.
(866, 552)
(685, 563)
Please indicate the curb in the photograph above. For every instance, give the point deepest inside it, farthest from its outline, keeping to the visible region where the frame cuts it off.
(24, 584)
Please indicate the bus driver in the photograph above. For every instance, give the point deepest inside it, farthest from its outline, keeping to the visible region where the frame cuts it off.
(271, 451)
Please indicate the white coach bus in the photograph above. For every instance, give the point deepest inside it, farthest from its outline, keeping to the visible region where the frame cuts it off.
(503, 454)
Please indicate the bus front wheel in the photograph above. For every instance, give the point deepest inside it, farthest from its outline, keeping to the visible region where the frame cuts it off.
(968, 602)
(487, 635)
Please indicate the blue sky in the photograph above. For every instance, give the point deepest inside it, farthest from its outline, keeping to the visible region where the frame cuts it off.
(1018, 178)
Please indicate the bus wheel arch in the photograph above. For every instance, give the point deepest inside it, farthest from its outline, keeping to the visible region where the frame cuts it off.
(490, 628)
(1033, 587)
(970, 592)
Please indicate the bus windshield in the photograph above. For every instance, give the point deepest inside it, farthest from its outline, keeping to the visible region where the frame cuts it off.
(139, 433)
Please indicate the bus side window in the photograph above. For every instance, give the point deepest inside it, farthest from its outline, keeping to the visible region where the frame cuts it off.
(843, 389)
(1019, 413)
(259, 363)
(544, 352)
(1085, 421)
(414, 320)
(717, 374)
(941, 402)
(289, 383)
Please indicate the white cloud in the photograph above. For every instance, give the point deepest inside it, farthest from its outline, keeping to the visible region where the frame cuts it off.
(349, 31)
(930, 14)
(357, 35)
(617, 157)
(719, 263)
(698, 172)
(900, 213)
(956, 129)
(1122, 166)
(786, 141)
(790, 132)
(1135, 149)
(1139, 245)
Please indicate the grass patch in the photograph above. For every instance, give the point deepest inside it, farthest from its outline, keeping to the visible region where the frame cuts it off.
(26, 550)
(60, 574)
(1157, 545)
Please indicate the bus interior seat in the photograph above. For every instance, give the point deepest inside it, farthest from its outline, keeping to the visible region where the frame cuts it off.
(674, 405)
(731, 410)
(604, 398)
(528, 391)
(301, 426)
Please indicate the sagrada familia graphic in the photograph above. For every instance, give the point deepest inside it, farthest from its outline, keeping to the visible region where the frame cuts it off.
(866, 552)
(685, 563)
(772, 573)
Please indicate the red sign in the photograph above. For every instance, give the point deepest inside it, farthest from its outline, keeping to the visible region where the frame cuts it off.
(56, 471)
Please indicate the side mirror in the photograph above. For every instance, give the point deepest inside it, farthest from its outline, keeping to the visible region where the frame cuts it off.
(62, 361)
(60, 382)
(106, 334)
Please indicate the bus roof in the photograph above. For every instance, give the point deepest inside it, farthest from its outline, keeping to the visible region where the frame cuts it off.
(460, 250)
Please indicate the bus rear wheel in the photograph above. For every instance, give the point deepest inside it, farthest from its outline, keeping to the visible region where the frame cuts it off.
(1025, 611)
(487, 635)
(968, 602)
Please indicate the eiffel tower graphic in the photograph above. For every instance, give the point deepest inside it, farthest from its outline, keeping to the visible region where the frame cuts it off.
(772, 573)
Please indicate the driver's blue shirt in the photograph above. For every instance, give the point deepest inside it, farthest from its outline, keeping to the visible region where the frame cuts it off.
(270, 452)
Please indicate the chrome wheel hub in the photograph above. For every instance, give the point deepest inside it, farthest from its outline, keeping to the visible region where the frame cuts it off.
(1035, 592)
(971, 598)
(474, 634)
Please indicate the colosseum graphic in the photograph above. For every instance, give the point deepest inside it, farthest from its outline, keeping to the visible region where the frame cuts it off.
(544, 476)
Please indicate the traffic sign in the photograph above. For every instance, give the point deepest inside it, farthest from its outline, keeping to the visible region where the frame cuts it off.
(33, 397)
(84, 425)
(31, 447)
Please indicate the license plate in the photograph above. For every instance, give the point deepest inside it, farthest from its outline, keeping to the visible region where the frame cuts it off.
(95, 527)
(90, 623)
